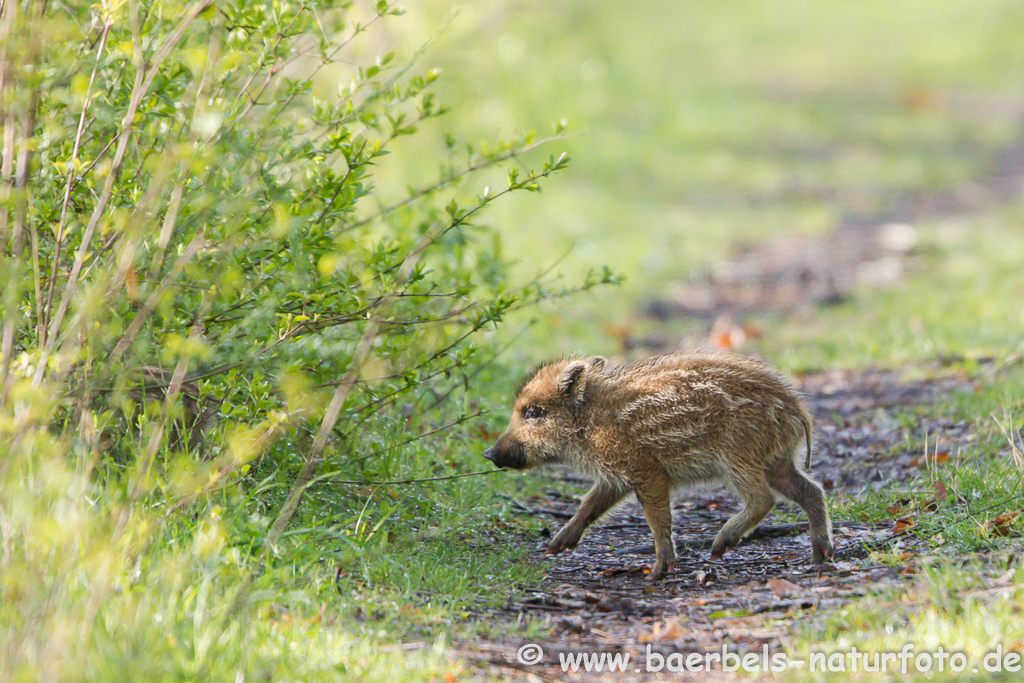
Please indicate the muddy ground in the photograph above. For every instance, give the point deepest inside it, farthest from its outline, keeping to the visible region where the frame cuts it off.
(597, 599)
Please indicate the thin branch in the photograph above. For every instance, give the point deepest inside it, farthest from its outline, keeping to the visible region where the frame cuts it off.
(166, 230)
(414, 481)
(462, 172)
(479, 368)
(44, 319)
(376, 454)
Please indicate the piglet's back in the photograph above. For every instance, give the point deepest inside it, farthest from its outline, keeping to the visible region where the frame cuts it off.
(692, 402)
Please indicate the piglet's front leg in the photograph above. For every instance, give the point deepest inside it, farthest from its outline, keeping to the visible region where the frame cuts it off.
(601, 498)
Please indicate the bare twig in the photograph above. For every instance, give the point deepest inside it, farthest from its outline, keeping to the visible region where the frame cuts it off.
(462, 172)
(397, 482)
(72, 172)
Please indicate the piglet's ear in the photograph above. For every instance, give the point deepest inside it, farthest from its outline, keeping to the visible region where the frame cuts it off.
(572, 382)
(597, 362)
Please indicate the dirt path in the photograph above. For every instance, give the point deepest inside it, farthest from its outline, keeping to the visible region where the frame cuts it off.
(864, 249)
(597, 599)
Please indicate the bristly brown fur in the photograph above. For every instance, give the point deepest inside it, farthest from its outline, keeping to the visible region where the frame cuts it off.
(669, 420)
(533, 373)
(538, 367)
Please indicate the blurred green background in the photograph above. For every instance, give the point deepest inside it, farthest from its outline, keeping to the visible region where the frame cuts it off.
(701, 126)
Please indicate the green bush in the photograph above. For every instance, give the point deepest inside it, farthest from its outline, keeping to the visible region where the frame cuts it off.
(208, 307)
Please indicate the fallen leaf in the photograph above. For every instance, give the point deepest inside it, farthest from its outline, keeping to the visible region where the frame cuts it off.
(131, 283)
(941, 491)
(319, 618)
(708, 504)
(623, 332)
(615, 571)
(785, 589)
(487, 434)
(903, 524)
(923, 100)
(663, 630)
(930, 459)
(726, 334)
(616, 604)
(1004, 523)
(753, 332)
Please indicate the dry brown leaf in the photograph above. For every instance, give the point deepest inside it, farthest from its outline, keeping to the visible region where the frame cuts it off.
(663, 630)
(726, 334)
(785, 589)
(903, 525)
(1004, 523)
(930, 459)
(615, 571)
(900, 505)
(923, 100)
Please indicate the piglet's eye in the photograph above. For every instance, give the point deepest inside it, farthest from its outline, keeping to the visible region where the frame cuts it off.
(533, 412)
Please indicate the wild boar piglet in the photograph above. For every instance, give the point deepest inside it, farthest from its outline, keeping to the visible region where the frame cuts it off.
(672, 420)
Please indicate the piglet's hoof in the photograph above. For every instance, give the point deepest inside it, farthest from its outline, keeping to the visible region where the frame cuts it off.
(556, 546)
(659, 573)
(716, 553)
